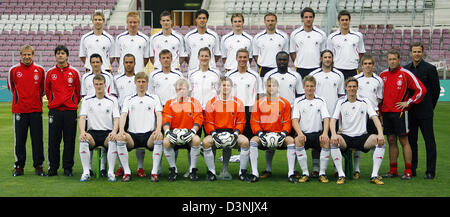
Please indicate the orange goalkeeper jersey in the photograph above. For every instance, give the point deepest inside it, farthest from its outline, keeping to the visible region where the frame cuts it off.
(184, 114)
(272, 116)
(224, 114)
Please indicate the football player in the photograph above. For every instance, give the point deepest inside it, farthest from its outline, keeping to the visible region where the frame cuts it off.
(271, 113)
(182, 112)
(225, 113)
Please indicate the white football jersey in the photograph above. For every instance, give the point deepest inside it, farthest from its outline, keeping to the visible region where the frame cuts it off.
(141, 112)
(101, 44)
(138, 45)
(328, 86)
(173, 42)
(246, 85)
(371, 88)
(87, 84)
(194, 41)
(125, 86)
(204, 85)
(231, 43)
(289, 84)
(353, 116)
(307, 46)
(266, 46)
(310, 113)
(346, 49)
(162, 84)
(100, 113)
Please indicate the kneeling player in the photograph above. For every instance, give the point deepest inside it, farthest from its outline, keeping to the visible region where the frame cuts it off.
(224, 122)
(271, 115)
(184, 115)
(353, 112)
(144, 127)
(102, 114)
(310, 120)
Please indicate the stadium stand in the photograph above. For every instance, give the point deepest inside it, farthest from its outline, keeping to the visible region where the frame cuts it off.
(46, 23)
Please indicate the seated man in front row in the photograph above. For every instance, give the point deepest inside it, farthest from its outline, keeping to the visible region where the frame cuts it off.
(353, 112)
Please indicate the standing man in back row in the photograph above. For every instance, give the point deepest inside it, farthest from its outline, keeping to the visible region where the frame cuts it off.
(97, 41)
(347, 46)
(132, 41)
(200, 38)
(26, 83)
(268, 43)
(306, 43)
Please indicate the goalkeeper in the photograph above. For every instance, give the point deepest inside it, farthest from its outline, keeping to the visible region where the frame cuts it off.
(310, 120)
(271, 122)
(224, 123)
(182, 118)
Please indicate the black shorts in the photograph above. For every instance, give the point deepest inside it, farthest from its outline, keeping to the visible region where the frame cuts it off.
(99, 137)
(140, 139)
(262, 70)
(356, 142)
(371, 128)
(348, 72)
(304, 72)
(395, 123)
(312, 140)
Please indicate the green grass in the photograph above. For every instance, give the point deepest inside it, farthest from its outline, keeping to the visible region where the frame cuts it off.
(30, 185)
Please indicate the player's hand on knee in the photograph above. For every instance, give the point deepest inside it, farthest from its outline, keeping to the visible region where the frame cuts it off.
(380, 140)
(301, 138)
(335, 140)
(324, 138)
(157, 135)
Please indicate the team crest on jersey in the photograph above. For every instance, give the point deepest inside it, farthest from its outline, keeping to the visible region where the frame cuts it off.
(19, 74)
(399, 83)
(36, 77)
(70, 80)
(107, 110)
(201, 39)
(54, 76)
(334, 84)
(140, 102)
(354, 45)
(99, 104)
(149, 108)
(374, 90)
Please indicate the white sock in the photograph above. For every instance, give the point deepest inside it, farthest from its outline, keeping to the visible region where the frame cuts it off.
(243, 158)
(356, 159)
(157, 155)
(290, 153)
(377, 157)
(324, 158)
(170, 156)
(193, 157)
(209, 160)
(85, 156)
(112, 156)
(269, 157)
(302, 159)
(140, 155)
(123, 156)
(103, 159)
(254, 158)
(337, 159)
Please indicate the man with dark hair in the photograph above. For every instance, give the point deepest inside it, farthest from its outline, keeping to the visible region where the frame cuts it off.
(199, 38)
(267, 43)
(62, 87)
(167, 38)
(26, 83)
(398, 82)
(347, 46)
(421, 114)
(306, 43)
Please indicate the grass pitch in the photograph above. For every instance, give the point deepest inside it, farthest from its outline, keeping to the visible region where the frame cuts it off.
(31, 185)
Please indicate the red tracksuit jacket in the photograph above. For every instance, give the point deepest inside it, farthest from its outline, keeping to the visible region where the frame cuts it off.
(62, 88)
(397, 84)
(26, 84)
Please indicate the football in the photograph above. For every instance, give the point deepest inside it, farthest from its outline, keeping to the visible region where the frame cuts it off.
(179, 133)
(272, 140)
(226, 140)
